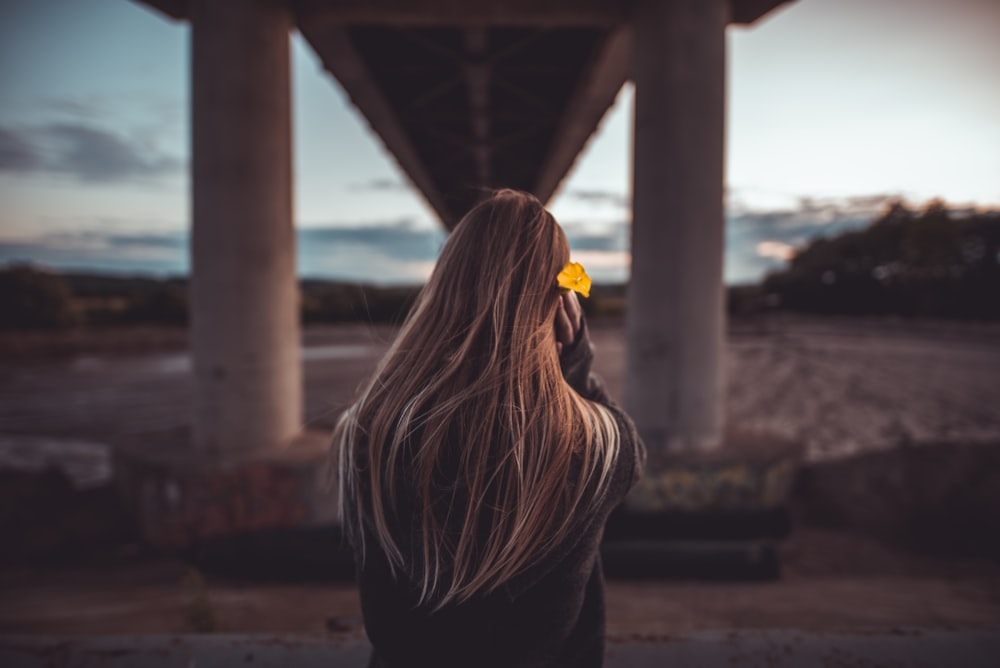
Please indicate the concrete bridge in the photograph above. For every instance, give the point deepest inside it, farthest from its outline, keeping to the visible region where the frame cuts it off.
(466, 96)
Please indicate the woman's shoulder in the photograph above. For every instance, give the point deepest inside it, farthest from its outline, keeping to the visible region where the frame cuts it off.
(630, 458)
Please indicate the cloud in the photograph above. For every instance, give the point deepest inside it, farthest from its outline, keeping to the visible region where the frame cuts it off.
(809, 217)
(763, 240)
(363, 264)
(776, 249)
(397, 240)
(96, 250)
(16, 154)
(380, 185)
(85, 151)
(401, 251)
(605, 266)
(87, 108)
(380, 252)
(386, 252)
(757, 240)
(834, 208)
(602, 247)
(593, 242)
(595, 196)
(613, 238)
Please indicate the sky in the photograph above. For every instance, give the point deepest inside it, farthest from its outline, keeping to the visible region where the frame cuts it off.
(835, 107)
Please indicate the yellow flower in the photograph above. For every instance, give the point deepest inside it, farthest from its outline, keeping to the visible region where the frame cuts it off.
(574, 277)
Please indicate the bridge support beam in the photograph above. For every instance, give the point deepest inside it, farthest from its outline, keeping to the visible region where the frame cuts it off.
(244, 294)
(675, 326)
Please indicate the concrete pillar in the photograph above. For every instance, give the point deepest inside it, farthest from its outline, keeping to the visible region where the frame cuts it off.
(244, 292)
(676, 319)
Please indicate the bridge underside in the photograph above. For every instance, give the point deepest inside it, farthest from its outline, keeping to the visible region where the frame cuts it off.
(470, 96)
(465, 109)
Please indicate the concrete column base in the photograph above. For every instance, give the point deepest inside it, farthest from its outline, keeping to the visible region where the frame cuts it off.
(180, 497)
(713, 515)
(748, 473)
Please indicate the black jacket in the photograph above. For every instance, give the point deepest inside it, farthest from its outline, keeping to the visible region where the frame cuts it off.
(552, 615)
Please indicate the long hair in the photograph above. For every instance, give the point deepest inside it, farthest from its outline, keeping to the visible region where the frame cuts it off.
(468, 421)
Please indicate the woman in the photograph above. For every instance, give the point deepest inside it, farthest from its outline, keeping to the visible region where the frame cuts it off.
(478, 467)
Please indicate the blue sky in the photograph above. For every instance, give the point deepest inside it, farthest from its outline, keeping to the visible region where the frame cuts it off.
(835, 106)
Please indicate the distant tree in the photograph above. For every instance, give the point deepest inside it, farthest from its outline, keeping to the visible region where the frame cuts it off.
(33, 298)
(939, 263)
(166, 304)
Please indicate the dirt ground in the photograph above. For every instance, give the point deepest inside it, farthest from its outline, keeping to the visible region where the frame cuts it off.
(831, 581)
(843, 388)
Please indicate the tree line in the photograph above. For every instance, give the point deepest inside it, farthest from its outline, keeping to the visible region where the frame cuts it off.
(935, 262)
(36, 298)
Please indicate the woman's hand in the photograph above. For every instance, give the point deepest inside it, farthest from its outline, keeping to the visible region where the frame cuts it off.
(568, 320)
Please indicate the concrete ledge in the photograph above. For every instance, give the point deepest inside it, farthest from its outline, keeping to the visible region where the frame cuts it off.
(180, 497)
(749, 472)
(707, 649)
(941, 498)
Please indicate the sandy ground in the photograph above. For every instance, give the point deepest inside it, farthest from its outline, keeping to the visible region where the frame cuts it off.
(841, 387)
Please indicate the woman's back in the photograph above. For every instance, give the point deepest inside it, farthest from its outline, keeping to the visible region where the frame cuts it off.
(479, 466)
